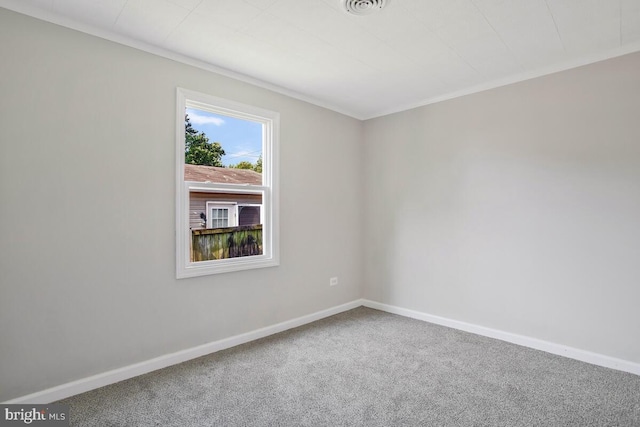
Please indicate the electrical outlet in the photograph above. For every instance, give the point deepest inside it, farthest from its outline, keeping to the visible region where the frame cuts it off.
(333, 281)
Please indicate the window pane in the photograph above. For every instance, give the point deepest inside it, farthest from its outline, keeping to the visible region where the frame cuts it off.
(208, 241)
(222, 149)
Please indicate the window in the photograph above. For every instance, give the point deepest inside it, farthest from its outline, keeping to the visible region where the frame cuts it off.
(219, 216)
(226, 186)
(249, 214)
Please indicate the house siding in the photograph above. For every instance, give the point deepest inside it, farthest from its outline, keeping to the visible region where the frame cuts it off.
(198, 204)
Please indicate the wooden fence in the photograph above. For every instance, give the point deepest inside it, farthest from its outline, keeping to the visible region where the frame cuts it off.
(230, 242)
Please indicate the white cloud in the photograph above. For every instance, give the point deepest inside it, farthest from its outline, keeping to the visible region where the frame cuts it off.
(248, 155)
(197, 119)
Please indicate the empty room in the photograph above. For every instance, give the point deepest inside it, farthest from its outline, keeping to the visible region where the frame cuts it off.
(320, 212)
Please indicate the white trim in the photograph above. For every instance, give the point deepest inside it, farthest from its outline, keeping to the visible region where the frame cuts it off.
(110, 377)
(549, 347)
(25, 8)
(270, 121)
(207, 187)
(512, 79)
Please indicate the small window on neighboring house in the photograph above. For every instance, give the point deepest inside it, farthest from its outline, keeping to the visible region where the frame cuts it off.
(249, 215)
(226, 186)
(221, 216)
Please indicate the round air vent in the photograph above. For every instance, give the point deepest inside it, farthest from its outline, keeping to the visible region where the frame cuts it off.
(363, 7)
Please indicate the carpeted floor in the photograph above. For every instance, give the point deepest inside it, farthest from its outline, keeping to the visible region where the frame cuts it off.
(369, 368)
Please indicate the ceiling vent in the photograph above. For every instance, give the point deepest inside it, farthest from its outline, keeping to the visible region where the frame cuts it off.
(363, 7)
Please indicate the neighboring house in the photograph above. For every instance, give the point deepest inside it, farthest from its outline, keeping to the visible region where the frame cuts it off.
(217, 209)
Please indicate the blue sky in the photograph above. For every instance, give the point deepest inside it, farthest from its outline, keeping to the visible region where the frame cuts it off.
(240, 139)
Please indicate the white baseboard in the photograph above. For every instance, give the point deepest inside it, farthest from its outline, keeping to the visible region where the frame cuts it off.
(120, 374)
(549, 347)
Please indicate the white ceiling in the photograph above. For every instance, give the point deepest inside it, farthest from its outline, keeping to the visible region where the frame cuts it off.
(413, 52)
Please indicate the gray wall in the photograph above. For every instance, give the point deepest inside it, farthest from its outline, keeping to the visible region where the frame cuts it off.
(87, 215)
(517, 208)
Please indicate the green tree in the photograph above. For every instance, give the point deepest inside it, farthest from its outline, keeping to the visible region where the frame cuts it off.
(243, 165)
(197, 148)
(258, 165)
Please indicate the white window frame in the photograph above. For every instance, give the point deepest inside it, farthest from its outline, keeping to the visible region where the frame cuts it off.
(230, 206)
(270, 121)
